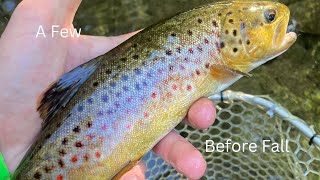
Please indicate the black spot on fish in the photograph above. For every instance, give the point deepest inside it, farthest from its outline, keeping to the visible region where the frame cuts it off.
(227, 31)
(62, 152)
(89, 124)
(199, 21)
(190, 32)
(178, 50)
(168, 52)
(173, 34)
(215, 24)
(79, 144)
(248, 42)
(76, 129)
(135, 45)
(234, 32)
(135, 56)
(219, 14)
(171, 67)
(48, 169)
(61, 163)
(95, 84)
(65, 141)
(222, 45)
(145, 63)
(229, 13)
(207, 65)
(108, 71)
(48, 136)
(37, 175)
(235, 50)
(123, 59)
(231, 21)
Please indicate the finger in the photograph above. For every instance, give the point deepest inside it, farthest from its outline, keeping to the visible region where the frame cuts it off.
(30, 14)
(202, 114)
(185, 158)
(136, 173)
(85, 48)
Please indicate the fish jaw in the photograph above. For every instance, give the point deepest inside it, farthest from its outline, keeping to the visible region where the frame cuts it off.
(288, 41)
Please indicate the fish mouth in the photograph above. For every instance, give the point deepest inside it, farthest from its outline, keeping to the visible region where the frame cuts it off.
(284, 37)
(288, 40)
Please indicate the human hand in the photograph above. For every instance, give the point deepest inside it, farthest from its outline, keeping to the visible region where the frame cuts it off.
(28, 65)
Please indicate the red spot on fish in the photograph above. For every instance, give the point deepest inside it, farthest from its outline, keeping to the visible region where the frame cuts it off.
(174, 87)
(154, 95)
(191, 50)
(104, 127)
(98, 154)
(189, 87)
(74, 159)
(198, 72)
(128, 126)
(59, 177)
(146, 115)
(206, 41)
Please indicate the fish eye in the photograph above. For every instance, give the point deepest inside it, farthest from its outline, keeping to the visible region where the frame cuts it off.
(270, 15)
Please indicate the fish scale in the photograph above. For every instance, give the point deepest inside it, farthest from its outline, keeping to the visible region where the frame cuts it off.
(103, 116)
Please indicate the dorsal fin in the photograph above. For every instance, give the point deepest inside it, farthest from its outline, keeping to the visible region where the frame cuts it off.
(60, 93)
(223, 72)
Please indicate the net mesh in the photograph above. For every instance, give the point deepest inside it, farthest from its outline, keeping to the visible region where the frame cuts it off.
(242, 122)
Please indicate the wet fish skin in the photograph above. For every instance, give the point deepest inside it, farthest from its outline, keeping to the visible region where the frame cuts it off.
(106, 114)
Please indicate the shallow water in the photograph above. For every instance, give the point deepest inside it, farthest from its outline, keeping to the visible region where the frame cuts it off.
(292, 79)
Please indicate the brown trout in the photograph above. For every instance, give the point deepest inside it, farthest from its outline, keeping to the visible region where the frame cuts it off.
(103, 116)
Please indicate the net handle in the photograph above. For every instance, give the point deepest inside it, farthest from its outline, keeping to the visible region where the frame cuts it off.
(272, 109)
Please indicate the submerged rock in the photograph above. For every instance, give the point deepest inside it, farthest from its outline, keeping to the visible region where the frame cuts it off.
(306, 13)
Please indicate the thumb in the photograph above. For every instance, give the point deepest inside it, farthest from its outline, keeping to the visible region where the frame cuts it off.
(136, 173)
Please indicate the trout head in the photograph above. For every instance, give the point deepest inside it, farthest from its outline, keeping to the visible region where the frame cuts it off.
(254, 32)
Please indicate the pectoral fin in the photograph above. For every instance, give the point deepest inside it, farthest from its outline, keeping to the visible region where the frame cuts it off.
(222, 72)
(125, 169)
(60, 93)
